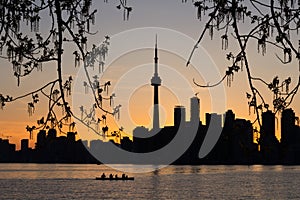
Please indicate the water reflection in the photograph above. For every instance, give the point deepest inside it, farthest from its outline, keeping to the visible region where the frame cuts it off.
(32, 181)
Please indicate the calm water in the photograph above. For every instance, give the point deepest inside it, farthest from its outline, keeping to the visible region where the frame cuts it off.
(49, 181)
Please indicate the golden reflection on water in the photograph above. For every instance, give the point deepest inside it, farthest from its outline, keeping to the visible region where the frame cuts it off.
(69, 181)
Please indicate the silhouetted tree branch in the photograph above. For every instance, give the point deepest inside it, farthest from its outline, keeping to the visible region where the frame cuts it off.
(271, 24)
(27, 51)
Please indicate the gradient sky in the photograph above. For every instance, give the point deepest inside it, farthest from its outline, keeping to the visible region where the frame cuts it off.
(167, 14)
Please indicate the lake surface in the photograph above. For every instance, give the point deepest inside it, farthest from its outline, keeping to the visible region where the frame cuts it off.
(59, 181)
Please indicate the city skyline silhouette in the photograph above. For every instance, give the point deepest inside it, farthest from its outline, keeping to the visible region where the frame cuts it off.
(149, 99)
(239, 141)
(14, 117)
(266, 140)
(235, 146)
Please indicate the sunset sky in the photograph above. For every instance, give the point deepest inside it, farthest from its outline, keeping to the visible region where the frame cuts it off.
(130, 68)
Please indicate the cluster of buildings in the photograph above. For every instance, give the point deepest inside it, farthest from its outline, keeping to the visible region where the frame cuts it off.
(49, 148)
(237, 142)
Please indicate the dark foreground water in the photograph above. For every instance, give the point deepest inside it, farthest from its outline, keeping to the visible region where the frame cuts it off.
(49, 181)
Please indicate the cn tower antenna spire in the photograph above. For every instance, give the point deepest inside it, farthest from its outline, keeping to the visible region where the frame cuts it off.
(156, 82)
(156, 58)
(156, 41)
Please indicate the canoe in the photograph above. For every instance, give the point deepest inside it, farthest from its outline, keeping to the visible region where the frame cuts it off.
(115, 179)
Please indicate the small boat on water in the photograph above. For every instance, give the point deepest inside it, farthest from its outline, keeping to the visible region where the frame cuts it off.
(112, 177)
(115, 178)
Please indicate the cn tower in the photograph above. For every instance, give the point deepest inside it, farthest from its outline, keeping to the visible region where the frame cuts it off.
(156, 82)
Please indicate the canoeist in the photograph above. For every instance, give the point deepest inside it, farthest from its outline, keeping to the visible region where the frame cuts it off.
(103, 175)
(123, 176)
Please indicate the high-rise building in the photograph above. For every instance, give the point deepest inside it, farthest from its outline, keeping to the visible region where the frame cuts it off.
(179, 115)
(52, 134)
(288, 126)
(41, 139)
(229, 118)
(195, 110)
(268, 143)
(213, 119)
(156, 82)
(140, 142)
(140, 132)
(245, 130)
(24, 144)
(268, 124)
(71, 136)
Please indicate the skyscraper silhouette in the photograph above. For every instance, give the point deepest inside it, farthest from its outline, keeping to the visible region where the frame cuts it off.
(195, 110)
(179, 115)
(156, 82)
(213, 119)
(41, 139)
(268, 124)
(24, 144)
(288, 127)
(269, 145)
